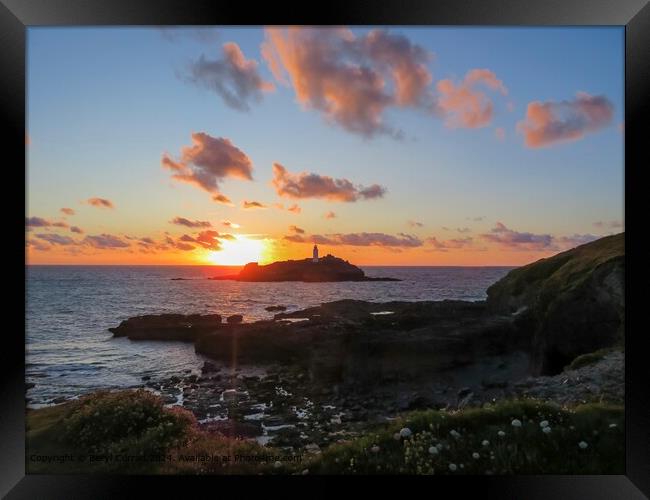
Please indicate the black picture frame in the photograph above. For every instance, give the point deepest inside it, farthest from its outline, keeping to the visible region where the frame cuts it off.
(17, 15)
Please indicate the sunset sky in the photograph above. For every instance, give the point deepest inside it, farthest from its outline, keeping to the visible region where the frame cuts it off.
(386, 146)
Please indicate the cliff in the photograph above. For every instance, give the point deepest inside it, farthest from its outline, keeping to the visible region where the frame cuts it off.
(572, 303)
(328, 268)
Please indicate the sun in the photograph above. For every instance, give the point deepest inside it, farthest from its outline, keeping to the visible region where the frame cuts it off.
(238, 251)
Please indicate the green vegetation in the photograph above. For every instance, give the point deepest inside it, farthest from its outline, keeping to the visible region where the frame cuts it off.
(592, 357)
(123, 432)
(560, 273)
(588, 439)
(469, 442)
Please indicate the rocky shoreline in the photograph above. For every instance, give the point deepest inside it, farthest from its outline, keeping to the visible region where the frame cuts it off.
(308, 378)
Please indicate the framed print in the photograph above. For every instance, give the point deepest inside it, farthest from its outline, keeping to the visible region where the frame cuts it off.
(377, 240)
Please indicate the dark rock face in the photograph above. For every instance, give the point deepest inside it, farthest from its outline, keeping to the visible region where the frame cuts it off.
(234, 319)
(329, 268)
(167, 326)
(275, 308)
(570, 304)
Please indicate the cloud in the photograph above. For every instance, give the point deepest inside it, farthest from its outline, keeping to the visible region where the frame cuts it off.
(296, 238)
(208, 162)
(549, 123)
(575, 240)
(414, 223)
(476, 219)
(252, 204)
(311, 185)
(37, 222)
(233, 77)
(296, 229)
(76, 229)
(463, 230)
(345, 77)
(67, 211)
(509, 239)
(228, 223)
(295, 209)
(100, 203)
(463, 105)
(451, 244)
(105, 241)
(56, 239)
(368, 239)
(184, 246)
(182, 221)
(209, 240)
(612, 224)
(329, 215)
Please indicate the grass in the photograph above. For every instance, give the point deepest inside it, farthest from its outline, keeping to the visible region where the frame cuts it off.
(128, 424)
(475, 446)
(592, 357)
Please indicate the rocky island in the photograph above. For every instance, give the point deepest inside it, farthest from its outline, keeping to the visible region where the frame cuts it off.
(328, 268)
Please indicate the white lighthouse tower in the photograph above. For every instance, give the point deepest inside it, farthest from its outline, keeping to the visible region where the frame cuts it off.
(315, 258)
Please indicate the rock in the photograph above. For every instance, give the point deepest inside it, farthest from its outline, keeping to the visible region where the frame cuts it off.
(234, 319)
(29, 385)
(275, 308)
(167, 326)
(146, 377)
(573, 303)
(328, 268)
(209, 367)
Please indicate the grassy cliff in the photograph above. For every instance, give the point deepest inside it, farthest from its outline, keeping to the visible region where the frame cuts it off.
(572, 303)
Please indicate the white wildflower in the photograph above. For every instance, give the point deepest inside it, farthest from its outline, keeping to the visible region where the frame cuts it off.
(612, 426)
(433, 450)
(375, 449)
(485, 442)
(582, 445)
(476, 455)
(543, 423)
(501, 433)
(452, 467)
(516, 423)
(546, 430)
(396, 436)
(305, 472)
(277, 464)
(455, 433)
(405, 432)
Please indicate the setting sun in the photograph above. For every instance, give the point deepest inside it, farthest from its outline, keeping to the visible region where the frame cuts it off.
(238, 251)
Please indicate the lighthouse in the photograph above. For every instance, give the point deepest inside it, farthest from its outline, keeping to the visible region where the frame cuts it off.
(315, 257)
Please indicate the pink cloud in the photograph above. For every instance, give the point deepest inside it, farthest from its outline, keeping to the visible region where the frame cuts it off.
(368, 239)
(346, 77)
(549, 123)
(207, 162)
(67, 211)
(329, 215)
(310, 185)
(233, 77)
(296, 229)
(295, 209)
(100, 203)
(451, 244)
(105, 241)
(463, 105)
(515, 240)
(252, 204)
(76, 229)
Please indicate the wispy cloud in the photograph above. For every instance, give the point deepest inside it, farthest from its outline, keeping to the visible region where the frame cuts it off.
(182, 221)
(67, 211)
(100, 203)
(252, 204)
(105, 241)
(232, 77)
(510, 239)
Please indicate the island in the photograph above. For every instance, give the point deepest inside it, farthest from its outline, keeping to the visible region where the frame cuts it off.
(314, 270)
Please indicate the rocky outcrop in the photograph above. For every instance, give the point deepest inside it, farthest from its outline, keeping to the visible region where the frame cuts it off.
(329, 268)
(167, 326)
(570, 304)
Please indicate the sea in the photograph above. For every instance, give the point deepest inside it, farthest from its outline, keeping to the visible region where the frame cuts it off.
(70, 352)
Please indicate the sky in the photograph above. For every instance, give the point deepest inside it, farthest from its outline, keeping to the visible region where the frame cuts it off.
(383, 145)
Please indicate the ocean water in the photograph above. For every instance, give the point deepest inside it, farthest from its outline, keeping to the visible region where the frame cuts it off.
(69, 350)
